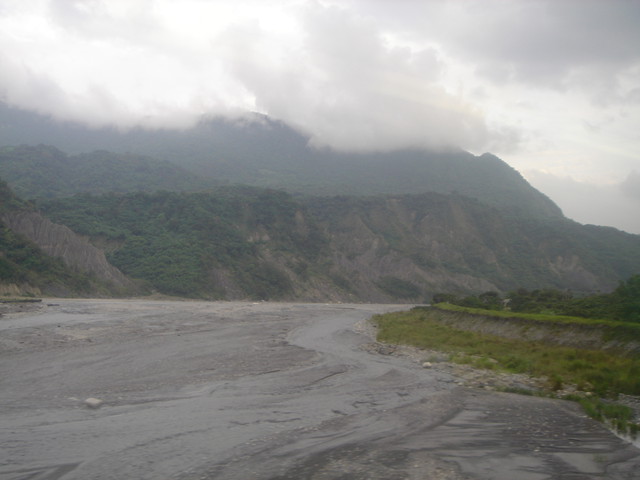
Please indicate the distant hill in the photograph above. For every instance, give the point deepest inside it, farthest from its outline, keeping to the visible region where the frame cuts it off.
(265, 153)
(44, 172)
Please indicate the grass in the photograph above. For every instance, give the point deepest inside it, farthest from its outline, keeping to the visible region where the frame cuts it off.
(19, 300)
(604, 374)
(613, 328)
(543, 317)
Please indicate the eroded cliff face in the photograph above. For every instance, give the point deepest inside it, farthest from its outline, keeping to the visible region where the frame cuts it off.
(61, 242)
(450, 244)
(406, 249)
(391, 240)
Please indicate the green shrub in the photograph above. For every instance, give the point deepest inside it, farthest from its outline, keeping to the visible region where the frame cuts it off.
(399, 288)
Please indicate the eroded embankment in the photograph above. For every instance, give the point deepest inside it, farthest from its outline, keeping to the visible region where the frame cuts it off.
(611, 336)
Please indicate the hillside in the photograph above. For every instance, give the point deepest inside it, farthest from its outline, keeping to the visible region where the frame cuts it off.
(38, 257)
(246, 242)
(312, 224)
(45, 171)
(261, 152)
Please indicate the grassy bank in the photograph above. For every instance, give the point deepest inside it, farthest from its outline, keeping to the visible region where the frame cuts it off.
(20, 300)
(613, 329)
(603, 374)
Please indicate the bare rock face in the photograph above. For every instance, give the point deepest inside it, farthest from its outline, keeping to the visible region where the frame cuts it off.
(61, 242)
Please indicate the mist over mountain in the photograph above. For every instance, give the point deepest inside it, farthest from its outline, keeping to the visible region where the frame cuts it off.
(247, 209)
(260, 152)
(43, 171)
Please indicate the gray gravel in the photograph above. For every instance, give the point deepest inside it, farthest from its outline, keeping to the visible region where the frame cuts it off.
(115, 389)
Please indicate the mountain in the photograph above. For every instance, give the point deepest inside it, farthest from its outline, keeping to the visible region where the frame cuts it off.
(265, 153)
(39, 257)
(246, 242)
(309, 224)
(44, 171)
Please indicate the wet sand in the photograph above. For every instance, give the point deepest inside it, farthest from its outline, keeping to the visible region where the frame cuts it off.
(232, 390)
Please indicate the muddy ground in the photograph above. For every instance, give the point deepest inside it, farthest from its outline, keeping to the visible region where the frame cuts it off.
(232, 390)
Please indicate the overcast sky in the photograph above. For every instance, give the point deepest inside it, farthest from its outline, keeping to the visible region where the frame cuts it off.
(550, 86)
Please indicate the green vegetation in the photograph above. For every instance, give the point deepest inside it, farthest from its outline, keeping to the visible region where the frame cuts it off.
(443, 234)
(46, 172)
(620, 417)
(604, 373)
(19, 300)
(631, 327)
(447, 239)
(622, 304)
(399, 288)
(268, 154)
(23, 263)
(8, 200)
(174, 241)
(452, 234)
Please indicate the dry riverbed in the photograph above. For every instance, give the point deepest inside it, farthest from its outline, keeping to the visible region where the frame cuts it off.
(235, 390)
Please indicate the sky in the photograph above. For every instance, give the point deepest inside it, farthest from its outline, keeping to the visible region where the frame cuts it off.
(550, 86)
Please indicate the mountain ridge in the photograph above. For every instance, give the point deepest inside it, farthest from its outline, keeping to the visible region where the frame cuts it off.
(310, 225)
(265, 153)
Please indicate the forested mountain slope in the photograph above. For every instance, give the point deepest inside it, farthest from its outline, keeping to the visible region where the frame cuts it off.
(314, 224)
(261, 152)
(237, 243)
(44, 171)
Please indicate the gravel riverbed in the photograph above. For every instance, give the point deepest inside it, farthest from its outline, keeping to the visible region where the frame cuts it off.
(240, 390)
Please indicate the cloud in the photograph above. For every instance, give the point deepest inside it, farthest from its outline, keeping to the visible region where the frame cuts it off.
(613, 205)
(331, 73)
(590, 44)
(348, 89)
(351, 74)
(631, 186)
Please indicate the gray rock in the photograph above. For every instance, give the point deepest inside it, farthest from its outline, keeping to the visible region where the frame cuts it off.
(93, 402)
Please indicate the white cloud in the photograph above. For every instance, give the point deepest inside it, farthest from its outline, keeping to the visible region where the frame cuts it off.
(323, 69)
(348, 89)
(631, 187)
(614, 205)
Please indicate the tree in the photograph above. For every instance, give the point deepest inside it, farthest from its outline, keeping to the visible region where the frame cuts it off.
(628, 299)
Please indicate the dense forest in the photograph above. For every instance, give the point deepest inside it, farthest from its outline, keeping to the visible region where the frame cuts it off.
(45, 172)
(174, 240)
